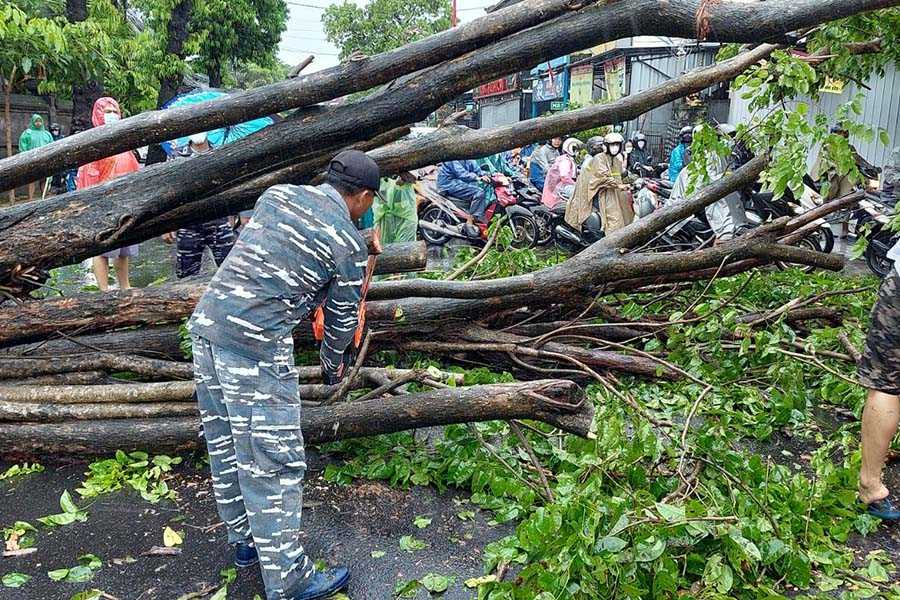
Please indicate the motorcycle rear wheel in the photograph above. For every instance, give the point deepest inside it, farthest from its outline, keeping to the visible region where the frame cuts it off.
(525, 231)
(808, 242)
(435, 216)
(876, 256)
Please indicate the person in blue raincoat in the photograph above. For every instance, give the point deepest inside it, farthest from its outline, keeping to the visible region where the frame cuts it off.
(677, 159)
(460, 179)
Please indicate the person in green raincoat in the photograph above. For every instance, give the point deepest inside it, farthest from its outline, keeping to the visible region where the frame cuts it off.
(395, 209)
(34, 137)
(493, 165)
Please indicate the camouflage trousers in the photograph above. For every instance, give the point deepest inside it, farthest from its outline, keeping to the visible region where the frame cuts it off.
(879, 366)
(217, 235)
(250, 412)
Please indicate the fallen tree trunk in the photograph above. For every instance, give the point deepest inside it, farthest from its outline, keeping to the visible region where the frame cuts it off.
(39, 319)
(71, 227)
(558, 403)
(76, 378)
(161, 343)
(89, 411)
(18, 368)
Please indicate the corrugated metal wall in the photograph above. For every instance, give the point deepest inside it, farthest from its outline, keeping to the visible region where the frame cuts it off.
(647, 72)
(880, 110)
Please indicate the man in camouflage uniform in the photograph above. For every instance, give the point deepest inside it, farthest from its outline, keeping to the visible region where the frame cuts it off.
(190, 241)
(300, 250)
(879, 371)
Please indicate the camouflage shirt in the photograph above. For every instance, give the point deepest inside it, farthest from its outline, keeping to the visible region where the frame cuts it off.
(299, 249)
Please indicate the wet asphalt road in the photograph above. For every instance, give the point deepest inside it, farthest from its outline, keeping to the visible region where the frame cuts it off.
(341, 525)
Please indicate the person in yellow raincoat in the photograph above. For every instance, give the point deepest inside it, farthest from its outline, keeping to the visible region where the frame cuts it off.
(604, 176)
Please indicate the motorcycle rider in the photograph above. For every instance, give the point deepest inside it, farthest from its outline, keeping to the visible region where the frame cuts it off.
(593, 147)
(560, 181)
(678, 159)
(541, 160)
(640, 161)
(605, 179)
(460, 179)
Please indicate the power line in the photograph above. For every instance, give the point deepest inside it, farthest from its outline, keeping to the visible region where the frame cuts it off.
(305, 5)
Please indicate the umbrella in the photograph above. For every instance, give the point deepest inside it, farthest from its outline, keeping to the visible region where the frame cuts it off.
(216, 137)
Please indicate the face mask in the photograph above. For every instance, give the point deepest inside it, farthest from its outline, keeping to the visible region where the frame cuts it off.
(641, 145)
(614, 149)
(198, 138)
(111, 118)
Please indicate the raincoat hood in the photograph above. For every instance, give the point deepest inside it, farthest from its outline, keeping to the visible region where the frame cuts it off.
(100, 106)
(36, 117)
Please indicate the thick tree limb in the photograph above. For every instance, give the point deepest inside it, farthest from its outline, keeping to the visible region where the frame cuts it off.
(18, 368)
(557, 402)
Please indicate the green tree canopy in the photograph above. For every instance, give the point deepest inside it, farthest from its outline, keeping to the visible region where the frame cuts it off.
(383, 25)
(235, 31)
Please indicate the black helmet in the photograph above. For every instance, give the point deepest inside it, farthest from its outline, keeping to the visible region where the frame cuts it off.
(686, 134)
(595, 145)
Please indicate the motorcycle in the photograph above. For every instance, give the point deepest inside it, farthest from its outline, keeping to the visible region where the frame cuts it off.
(442, 218)
(529, 197)
(873, 214)
(760, 207)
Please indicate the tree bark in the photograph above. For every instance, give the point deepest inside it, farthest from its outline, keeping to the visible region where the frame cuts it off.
(91, 312)
(150, 342)
(559, 403)
(17, 368)
(83, 97)
(54, 413)
(103, 215)
(346, 78)
(77, 378)
(177, 32)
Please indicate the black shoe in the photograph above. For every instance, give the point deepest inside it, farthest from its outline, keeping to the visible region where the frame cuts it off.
(245, 555)
(324, 584)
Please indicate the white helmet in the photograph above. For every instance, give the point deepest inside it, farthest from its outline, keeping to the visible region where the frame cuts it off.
(614, 139)
(571, 146)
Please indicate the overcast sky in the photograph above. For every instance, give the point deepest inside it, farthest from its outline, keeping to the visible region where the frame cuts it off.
(305, 35)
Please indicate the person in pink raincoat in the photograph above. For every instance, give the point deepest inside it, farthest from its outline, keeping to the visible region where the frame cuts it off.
(106, 110)
(560, 181)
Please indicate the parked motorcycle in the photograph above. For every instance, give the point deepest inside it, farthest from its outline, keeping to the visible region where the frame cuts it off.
(570, 239)
(529, 197)
(874, 215)
(761, 207)
(442, 218)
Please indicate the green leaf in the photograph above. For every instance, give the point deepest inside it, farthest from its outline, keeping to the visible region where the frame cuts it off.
(411, 544)
(672, 514)
(79, 574)
(649, 550)
(15, 580)
(435, 583)
(26, 65)
(93, 594)
(406, 589)
(476, 581)
(466, 515)
(377, 553)
(718, 574)
(610, 544)
(884, 137)
(66, 503)
(58, 574)
(228, 575)
(422, 522)
(92, 561)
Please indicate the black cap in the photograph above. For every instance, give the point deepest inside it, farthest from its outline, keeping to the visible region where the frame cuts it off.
(355, 168)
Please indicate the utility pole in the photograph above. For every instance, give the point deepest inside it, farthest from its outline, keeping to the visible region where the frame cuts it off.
(453, 14)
